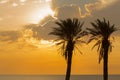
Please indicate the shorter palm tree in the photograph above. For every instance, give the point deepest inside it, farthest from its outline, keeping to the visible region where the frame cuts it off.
(101, 32)
(68, 33)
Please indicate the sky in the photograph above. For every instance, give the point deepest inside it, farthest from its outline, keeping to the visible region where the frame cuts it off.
(26, 47)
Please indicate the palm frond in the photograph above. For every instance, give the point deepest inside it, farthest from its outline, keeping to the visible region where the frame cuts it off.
(110, 47)
(101, 53)
(78, 49)
(80, 42)
(61, 42)
(97, 44)
(80, 35)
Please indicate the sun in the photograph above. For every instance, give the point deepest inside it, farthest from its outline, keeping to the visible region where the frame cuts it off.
(40, 13)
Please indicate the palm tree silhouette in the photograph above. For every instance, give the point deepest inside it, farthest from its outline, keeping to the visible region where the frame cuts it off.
(68, 34)
(101, 32)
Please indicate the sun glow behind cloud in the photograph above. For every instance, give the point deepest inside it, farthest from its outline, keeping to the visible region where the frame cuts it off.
(48, 0)
(22, 0)
(40, 13)
(105, 3)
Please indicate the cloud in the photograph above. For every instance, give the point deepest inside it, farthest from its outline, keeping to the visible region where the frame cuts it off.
(100, 4)
(20, 40)
(67, 9)
(48, 0)
(36, 35)
(86, 8)
(3, 1)
(38, 31)
(56, 4)
(1, 19)
(71, 11)
(60, 3)
(46, 19)
(10, 36)
(111, 13)
(23, 0)
(14, 4)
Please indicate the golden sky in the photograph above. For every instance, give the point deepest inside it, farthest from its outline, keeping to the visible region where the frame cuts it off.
(26, 47)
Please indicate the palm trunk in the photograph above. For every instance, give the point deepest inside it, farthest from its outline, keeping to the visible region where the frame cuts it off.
(68, 72)
(105, 64)
(70, 47)
(105, 74)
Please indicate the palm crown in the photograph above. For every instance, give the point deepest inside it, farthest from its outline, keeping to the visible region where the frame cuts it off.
(101, 31)
(68, 30)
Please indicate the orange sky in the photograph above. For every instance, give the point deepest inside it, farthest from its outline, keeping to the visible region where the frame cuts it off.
(27, 50)
(27, 59)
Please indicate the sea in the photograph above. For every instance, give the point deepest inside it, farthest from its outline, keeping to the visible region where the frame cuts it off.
(56, 77)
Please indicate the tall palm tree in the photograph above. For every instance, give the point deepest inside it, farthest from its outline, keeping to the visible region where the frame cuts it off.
(68, 34)
(101, 32)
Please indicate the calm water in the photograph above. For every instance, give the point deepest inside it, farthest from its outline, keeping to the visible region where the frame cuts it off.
(60, 77)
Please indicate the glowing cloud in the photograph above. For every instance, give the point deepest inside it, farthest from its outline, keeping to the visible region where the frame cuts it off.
(45, 42)
(14, 4)
(107, 2)
(1, 19)
(28, 36)
(48, 0)
(3, 1)
(22, 0)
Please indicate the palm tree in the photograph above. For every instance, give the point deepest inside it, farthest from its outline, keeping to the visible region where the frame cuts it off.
(101, 32)
(68, 34)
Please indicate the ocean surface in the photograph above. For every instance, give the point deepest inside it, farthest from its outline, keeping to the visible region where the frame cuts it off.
(57, 77)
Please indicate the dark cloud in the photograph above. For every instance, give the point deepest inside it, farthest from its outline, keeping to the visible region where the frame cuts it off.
(112, 13)
(46, 19)
(71, 11)
(60, 3)
(10, 36)
(40, 32)
(42, 29)
(86, 7)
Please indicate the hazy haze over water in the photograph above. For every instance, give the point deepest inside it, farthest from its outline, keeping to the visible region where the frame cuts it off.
(59, 77)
